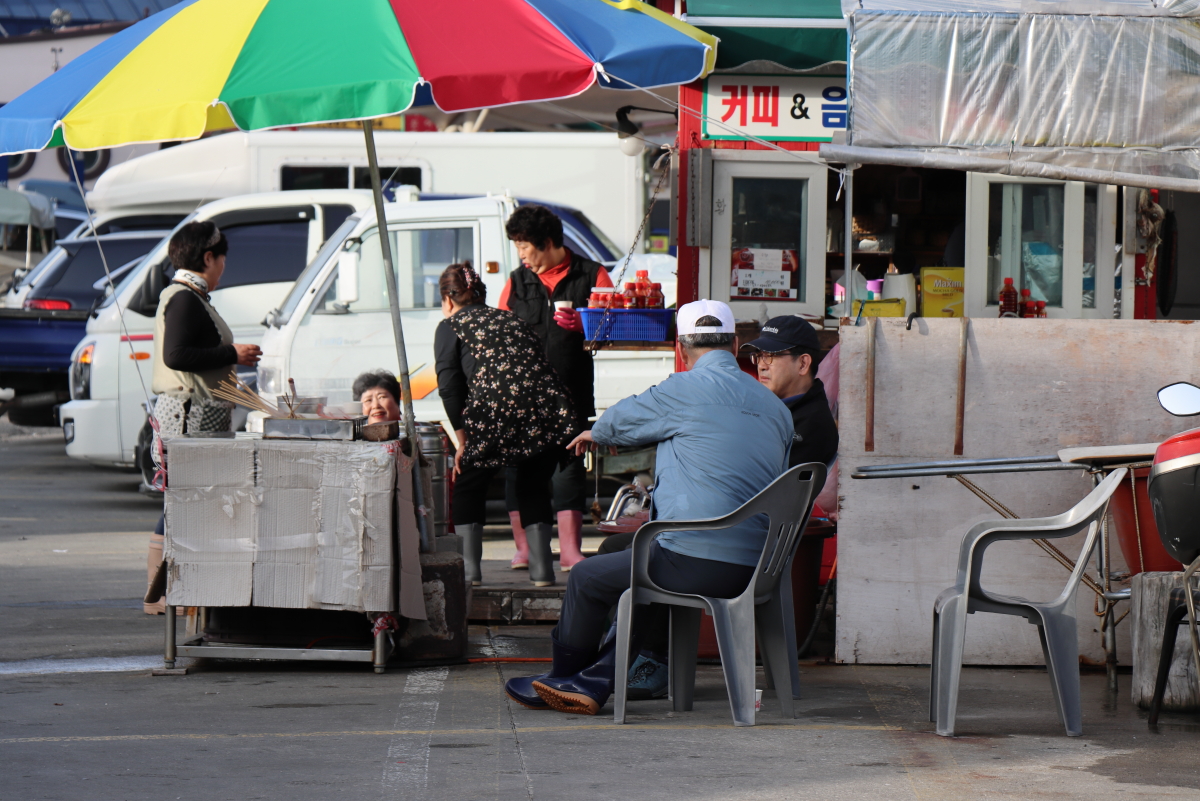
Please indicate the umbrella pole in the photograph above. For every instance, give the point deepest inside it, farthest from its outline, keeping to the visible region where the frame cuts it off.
(410, 428)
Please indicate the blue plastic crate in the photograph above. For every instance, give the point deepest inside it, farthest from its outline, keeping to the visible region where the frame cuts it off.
(629, 325)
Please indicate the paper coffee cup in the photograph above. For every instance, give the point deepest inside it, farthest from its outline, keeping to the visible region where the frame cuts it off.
(563, 304)
(757, 700)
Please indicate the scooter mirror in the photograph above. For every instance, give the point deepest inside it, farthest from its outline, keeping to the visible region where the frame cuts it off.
(1181, 399)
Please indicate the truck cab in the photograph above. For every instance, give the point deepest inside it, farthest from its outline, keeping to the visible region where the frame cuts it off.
(335, 322)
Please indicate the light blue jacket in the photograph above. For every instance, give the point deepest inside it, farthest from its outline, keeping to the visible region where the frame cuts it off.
(722, 438)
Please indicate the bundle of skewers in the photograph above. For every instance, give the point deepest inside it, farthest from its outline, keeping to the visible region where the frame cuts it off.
(236, 391)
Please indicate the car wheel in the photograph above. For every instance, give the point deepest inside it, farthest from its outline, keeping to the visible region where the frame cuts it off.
(142, 458)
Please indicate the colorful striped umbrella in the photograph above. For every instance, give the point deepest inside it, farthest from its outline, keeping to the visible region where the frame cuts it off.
(213, 64)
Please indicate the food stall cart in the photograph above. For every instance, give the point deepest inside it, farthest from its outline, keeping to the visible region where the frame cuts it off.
(313, 525)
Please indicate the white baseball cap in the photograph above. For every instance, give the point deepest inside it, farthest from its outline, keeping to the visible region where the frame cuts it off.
(689, 313)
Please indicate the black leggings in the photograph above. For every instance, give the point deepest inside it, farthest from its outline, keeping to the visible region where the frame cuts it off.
(532, 488)
(569, 485)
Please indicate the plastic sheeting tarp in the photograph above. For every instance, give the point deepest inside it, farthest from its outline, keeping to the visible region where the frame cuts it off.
(26, 208)
(1161, 8)
(1027, 89)
(1133, 167)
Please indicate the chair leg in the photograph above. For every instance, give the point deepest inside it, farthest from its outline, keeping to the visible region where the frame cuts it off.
(787, 611)
(1175, 616)
(621, 667)
(685, 639)
(734, 624)
(1061, 640)
(933, 668)
(947, 660)
(773, 645)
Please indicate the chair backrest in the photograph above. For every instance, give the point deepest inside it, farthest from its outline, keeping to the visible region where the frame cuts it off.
(1085, 515)
(787, 502)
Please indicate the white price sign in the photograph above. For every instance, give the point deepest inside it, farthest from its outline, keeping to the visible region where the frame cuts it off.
(777, 108)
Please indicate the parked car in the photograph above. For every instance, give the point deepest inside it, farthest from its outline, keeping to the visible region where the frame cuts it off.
(126, 220)
(272, 236)
(36, 341)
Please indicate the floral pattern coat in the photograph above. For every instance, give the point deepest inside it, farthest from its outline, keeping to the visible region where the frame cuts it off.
(517, 405)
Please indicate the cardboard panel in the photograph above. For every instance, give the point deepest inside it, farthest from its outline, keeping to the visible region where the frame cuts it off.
(211, 525)
(289, 465)
(195, 463)
(209, 583)
(286, 586)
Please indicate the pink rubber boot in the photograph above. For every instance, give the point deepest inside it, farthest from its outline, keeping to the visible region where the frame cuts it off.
(570, 536)
(521, 560)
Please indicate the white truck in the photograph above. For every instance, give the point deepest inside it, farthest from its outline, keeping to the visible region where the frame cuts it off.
(325, 328)
(581, 170)
(335, 323)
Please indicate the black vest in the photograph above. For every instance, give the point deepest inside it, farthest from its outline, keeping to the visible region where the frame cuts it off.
(529, 300)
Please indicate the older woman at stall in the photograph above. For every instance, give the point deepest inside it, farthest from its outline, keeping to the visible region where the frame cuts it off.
(379, 393)
(507, 407)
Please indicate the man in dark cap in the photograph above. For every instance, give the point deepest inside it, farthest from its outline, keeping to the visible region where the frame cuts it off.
(786, 354)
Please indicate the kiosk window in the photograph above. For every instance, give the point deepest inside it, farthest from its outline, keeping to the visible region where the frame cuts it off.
(1025, 240)
(767, 238)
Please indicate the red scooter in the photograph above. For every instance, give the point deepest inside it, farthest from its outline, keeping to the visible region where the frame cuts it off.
(1174, 488)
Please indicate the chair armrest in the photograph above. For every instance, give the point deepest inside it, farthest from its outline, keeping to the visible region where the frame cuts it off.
(649, 532)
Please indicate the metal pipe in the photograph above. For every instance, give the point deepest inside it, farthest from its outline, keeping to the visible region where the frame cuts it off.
(1032, 467)
(848, 243)
(869, 439)
(961, 463)
(960, 410)
(169, 646)
(410, 428)
(379, 654)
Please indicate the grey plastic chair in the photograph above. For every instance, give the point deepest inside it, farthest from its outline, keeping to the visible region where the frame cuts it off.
(1055, 619)
(766, 604)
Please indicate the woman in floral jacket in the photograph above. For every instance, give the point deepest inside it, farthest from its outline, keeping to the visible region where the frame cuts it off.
(507, 407)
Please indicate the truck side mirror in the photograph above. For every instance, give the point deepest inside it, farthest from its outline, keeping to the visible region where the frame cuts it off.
(347, 275)
(1181, 399)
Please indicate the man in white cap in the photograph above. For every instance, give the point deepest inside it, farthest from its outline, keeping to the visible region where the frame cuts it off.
(722, 437)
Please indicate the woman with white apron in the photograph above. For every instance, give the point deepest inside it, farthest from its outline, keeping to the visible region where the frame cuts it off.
(194, 352)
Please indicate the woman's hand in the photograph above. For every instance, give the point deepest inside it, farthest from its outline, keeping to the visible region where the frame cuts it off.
(569, 319)
(248, 355)
(461, 436)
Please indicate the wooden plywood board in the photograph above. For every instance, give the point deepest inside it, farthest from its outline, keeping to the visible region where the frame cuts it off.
(1033, 387)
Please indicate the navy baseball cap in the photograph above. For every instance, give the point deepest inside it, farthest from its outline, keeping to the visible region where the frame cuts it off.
(784, 333)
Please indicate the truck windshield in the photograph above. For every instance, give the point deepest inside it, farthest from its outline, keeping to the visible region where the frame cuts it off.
(314, 267)
(154, 257)
(599, 234)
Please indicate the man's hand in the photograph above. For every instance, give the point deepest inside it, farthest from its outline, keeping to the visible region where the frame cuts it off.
(584, 443)
(248, 355)
(570, 319)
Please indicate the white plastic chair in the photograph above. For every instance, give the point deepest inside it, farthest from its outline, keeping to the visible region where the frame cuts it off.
(1055, 619)
(765, 605)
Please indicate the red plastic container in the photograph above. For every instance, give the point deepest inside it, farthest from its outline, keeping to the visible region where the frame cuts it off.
(806, 588)
(1154, 557)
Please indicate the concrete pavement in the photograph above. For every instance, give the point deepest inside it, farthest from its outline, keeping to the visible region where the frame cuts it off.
(82, 718)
